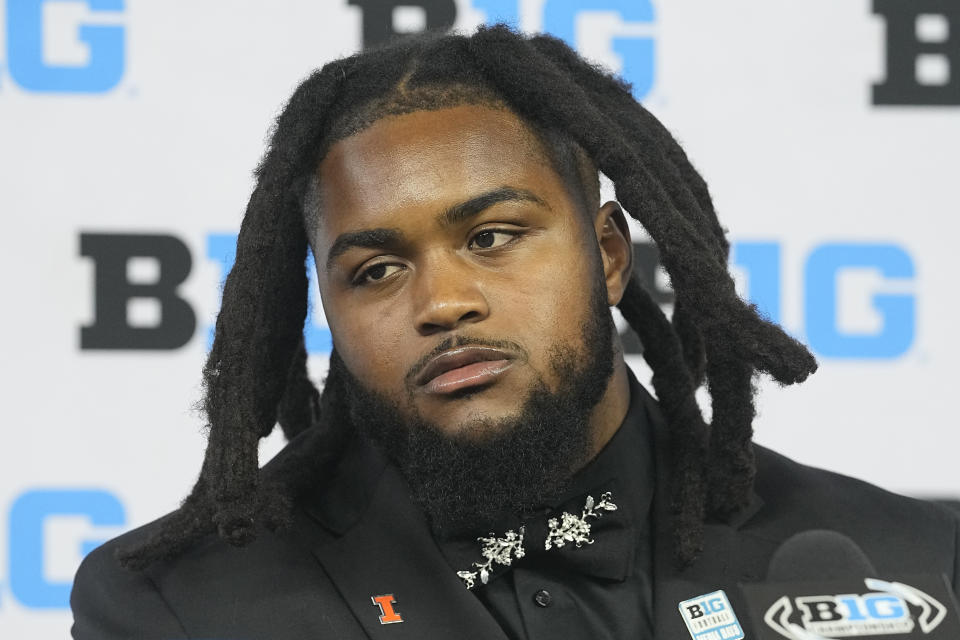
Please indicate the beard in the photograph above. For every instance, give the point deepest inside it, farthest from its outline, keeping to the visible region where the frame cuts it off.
(468, 481)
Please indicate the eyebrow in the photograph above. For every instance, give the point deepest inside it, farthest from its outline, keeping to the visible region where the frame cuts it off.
(385, 237)
(474, 206)
(368, 238)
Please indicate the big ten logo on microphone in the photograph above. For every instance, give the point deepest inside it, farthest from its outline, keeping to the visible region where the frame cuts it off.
(888, 609)
(857, 298)
(618, 32)
(57, 46)
(50, 530)
(922, 53)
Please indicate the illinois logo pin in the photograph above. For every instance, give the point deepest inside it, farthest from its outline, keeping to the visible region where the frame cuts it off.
(388, 615)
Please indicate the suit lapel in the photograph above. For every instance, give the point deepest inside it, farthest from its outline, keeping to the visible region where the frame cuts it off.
(728, 560)
(729, 556)
(390, 551)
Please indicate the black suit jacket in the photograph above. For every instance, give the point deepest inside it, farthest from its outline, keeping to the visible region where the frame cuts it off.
(361, 537)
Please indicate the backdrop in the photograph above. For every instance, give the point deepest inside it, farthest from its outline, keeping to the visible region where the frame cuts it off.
(828, 132)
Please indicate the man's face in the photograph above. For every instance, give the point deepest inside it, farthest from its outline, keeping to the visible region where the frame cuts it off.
(453, 263)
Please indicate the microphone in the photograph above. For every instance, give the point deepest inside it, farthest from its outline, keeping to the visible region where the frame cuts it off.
(821, 586)
(818, 554)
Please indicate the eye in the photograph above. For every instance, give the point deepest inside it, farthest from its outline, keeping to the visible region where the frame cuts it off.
(491, 239)
(376, 273)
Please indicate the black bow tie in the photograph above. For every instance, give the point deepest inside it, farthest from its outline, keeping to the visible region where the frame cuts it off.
(588, 534)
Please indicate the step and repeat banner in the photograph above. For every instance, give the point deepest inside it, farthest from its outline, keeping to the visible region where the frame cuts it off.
(828, 131)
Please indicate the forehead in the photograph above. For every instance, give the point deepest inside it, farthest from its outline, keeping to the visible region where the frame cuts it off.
(427, 160)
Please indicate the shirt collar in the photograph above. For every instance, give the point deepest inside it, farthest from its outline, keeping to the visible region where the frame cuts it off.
(624, 466)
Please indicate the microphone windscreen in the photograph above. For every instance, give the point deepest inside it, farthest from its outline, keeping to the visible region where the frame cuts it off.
(818, 554)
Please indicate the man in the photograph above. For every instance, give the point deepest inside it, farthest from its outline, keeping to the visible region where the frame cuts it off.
(481, 463)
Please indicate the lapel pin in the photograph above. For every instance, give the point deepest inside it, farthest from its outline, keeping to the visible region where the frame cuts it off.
(710, 617)
(388, 615)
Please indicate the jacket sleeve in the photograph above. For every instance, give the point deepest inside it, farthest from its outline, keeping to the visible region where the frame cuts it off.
(113, 603)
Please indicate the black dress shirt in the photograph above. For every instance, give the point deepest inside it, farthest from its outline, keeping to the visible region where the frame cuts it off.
(604, 594)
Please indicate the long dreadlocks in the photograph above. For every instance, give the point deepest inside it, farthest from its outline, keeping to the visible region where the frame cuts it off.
(256, 373)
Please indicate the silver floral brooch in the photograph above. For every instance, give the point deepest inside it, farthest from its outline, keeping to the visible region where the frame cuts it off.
(569, 528)
(494, 550)
(576, 529)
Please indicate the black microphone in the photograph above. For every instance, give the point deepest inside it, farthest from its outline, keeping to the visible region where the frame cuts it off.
(818, 554)
(821, 586)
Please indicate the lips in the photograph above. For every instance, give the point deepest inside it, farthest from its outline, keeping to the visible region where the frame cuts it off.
(462, 368)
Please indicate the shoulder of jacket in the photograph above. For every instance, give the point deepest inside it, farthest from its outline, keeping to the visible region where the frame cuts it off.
(781, 477)
(898, 533)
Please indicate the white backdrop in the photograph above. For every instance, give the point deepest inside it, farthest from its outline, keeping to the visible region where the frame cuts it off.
(146, 118)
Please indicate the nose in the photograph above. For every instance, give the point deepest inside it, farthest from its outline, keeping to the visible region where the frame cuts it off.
(446, 296)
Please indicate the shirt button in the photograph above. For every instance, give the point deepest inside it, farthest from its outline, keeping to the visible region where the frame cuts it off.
(543, 598)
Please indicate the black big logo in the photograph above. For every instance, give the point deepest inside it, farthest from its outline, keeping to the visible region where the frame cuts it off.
(910, 45)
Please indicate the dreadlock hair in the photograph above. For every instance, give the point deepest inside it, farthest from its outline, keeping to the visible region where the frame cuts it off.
(587, 121)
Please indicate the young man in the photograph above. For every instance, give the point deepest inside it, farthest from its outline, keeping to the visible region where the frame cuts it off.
(481, 463)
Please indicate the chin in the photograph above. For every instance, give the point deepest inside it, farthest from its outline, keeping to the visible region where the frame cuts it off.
(473, 421)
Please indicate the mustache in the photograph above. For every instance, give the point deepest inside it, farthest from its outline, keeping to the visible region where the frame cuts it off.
(451, 342)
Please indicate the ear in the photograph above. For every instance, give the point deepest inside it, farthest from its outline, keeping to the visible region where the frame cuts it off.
(616, 249)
